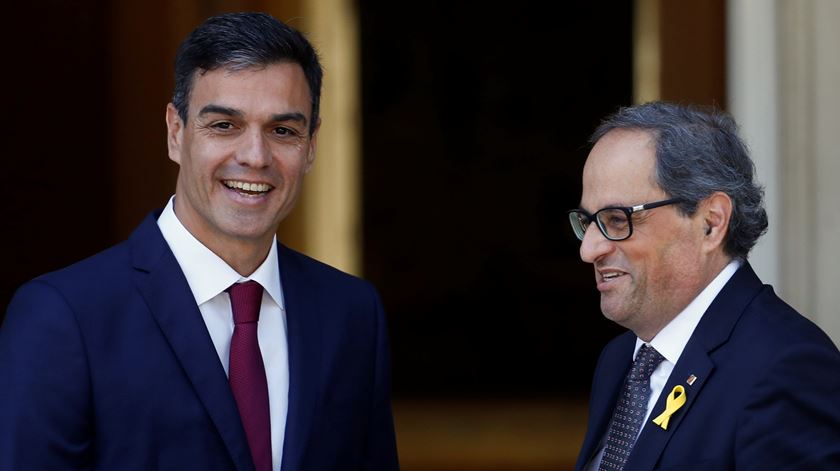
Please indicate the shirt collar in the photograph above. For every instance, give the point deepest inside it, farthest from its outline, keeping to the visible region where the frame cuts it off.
(206, 273)
(671, 340)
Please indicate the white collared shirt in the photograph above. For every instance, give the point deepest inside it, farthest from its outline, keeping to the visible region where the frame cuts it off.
(671, 341)
(209, 276)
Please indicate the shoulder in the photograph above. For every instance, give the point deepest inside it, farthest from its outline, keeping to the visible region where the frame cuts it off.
(776, 355)
(89, 277)
(785, 368)
(53, 306)
(770, 327)
(296, 264)
(309, 282)
(107, 274)
(750, 321)
(64, 300)
(341, 306)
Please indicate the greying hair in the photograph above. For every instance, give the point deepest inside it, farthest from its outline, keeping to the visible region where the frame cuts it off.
(698, 152)
(238, 41)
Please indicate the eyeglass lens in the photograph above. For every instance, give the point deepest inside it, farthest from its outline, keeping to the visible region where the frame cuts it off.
(613, 223)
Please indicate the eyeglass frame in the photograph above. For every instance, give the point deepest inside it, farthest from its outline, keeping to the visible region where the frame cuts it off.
(628, 211)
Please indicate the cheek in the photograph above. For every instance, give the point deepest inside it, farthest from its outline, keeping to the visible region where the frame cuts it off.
(205, 161)
(676, 269)
(293, 171)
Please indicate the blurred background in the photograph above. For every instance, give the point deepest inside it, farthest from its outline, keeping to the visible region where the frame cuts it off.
(453, 138)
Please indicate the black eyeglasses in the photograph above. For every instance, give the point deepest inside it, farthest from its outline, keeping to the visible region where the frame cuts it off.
(615, 222)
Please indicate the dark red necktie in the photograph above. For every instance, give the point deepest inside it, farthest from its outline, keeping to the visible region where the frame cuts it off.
(246, 371)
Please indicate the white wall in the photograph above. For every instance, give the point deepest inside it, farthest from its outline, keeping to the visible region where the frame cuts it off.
(783, 76)
(752, 88)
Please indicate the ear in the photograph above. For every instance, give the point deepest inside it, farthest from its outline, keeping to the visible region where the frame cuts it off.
(313, 145)
(715, 211)
(174, 133)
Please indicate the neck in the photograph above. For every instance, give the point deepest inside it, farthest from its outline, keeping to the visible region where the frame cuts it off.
(243, 256)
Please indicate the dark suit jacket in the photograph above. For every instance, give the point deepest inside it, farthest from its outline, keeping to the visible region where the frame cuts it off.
(766, 397)
(107, 364)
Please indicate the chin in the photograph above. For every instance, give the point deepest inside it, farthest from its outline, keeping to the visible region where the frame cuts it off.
(614, 318)
(246, 230)
(253, 233)
(614, 313)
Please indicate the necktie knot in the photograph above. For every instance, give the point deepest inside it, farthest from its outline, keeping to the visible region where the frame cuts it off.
(245, 300)
(647, 359)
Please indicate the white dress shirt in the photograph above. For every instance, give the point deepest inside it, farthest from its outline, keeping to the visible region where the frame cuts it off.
(209, 276)
(671, 341)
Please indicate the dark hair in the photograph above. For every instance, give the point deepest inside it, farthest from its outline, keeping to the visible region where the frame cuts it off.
(237, 41)
(698, 152)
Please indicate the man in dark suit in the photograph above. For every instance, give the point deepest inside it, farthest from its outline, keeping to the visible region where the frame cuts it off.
(200, 342)
(716, 372)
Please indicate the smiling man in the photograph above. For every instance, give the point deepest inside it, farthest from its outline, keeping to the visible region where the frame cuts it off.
(716, 372)
(201, 342)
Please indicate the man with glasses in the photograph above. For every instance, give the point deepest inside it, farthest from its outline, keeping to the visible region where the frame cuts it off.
(715, 372)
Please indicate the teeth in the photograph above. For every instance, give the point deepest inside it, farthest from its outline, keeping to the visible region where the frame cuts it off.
(258, 187)
(609, 276)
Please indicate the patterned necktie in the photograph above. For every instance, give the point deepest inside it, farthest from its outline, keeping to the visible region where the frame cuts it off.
(630, 410)
(246, 371)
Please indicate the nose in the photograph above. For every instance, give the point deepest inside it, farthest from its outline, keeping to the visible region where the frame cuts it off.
(594, 245)
(254, 150)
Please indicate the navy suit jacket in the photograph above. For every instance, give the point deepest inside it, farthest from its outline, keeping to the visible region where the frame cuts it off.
(107, 364)
(766, 397)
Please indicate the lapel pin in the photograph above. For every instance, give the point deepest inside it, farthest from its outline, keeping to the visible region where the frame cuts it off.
(691, 379)
(675, 400)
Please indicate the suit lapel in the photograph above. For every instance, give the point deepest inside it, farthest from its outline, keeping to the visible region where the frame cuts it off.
(713, 331)
(606, 387)
(653, 439)
(163, 286)
(305, 328)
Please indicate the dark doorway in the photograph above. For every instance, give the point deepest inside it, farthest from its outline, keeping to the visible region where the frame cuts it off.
(476, 118)
(56, 167)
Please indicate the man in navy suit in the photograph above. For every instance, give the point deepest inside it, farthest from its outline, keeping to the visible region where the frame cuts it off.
(716, 372)
(121, 361)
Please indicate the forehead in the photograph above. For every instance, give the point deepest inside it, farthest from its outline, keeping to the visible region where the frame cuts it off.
(620, 170)
(274, 88)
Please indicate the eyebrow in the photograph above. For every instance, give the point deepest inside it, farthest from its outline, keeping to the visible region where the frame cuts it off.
(616, 205)
(210, 109)
(294, 116)
(225, 110)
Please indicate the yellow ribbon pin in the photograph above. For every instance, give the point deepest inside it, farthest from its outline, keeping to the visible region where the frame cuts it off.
(675, 400)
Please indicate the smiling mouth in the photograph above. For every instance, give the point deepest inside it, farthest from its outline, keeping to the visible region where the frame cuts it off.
(611, 275)
(247, 188)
